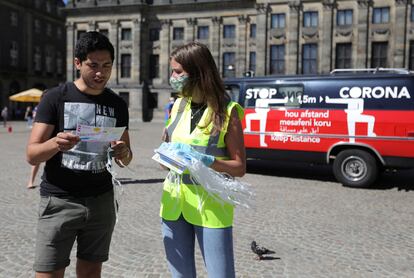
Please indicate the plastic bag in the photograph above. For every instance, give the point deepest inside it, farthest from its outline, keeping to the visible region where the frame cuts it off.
(219, 186)
(222, 185)
(118, 189)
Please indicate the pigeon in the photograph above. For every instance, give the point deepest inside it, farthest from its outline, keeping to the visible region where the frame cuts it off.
(260, 251)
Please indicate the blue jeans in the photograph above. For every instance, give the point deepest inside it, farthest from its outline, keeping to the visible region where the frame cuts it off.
(216, 246)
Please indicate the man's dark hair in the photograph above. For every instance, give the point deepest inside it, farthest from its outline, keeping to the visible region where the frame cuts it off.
(90, 42)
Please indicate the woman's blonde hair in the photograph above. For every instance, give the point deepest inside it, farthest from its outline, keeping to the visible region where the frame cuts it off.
(203, 75)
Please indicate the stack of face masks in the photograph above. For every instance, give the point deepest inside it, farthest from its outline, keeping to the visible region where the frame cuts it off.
(219, 186)
(171, 156)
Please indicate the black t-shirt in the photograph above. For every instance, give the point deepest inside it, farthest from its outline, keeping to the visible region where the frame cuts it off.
(80, 171)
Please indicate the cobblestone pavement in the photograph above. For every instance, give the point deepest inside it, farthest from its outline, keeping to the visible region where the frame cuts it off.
(317, 227)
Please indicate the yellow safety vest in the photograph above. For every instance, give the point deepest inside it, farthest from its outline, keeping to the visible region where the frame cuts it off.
(187, 198)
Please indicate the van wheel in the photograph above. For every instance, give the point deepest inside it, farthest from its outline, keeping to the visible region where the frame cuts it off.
(355, 168)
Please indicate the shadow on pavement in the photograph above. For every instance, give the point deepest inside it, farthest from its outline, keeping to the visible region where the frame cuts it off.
(135, 181)
(269, 258)
(400, 179)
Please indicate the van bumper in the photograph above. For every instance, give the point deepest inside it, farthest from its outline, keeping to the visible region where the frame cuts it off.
(398, 162)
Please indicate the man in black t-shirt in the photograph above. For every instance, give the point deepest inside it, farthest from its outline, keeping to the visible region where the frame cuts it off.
(77, 199)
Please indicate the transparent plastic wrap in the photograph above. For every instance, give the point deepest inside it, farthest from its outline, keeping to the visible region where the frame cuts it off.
(219, 186)
(118, 189)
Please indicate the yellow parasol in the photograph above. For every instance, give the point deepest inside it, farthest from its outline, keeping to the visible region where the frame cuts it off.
(31, 95)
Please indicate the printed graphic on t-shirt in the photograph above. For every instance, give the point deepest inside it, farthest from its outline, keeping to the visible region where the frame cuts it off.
(89, 156)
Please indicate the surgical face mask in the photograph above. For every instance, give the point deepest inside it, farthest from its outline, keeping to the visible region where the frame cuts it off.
(177, 83)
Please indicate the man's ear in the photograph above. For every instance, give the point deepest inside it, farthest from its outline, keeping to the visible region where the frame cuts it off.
(77, 63)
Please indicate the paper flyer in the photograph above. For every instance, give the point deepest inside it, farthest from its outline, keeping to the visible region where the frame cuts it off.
(99, 134)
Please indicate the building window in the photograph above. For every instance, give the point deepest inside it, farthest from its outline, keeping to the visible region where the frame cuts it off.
(154, 65)
(126, 34)
(37, 25)
(253, 30)
(154, 34)
(412, 13)
(49, 60)
(411, 58)
(80, 34)
(379, 54)
(309, 58)
(104, 32)
(125, 65)
(59, 63)
(14, 54)
(14, 19)
(37, 62)
(344, 17)
(48, 7)
(277, 59)
(381, 15)
(229, 64)
(178, 33)
(125, 97)
(59, 32)
(252, 61)
(229, 31)
(310, 19)
(278, 21)
(343, 56)
(49, 29)
(202, 33)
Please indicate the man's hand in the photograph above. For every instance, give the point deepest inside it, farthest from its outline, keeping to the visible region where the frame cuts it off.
(121, 153)
(65, 141)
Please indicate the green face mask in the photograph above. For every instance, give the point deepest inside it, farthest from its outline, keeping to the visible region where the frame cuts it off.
(177, 83)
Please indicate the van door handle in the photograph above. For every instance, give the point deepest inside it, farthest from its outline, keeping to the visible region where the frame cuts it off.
(410, 133)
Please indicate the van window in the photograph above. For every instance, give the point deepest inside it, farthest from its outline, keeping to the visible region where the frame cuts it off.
(294, 93)
(233, 91)
(278, 95)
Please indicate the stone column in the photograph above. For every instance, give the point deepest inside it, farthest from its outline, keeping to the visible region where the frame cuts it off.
(325, 49)
(91, 25)
(136, 50)
(398, 35)
(28, 42)
(70, 53)
(113, 37)
(216, 41)
(262, 63)
(190, 30)
(241, 55)
(292, 35)
(363, 22)
(165, 51)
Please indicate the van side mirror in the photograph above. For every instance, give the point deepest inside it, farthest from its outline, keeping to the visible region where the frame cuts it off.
(249, 73)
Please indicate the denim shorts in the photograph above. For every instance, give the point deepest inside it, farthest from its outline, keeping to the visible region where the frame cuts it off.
(88, 220)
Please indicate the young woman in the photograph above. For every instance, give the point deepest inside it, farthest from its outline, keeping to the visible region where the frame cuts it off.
(205, 118)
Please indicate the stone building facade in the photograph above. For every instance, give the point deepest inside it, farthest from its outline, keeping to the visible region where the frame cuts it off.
(32, 48)
(248, 37)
